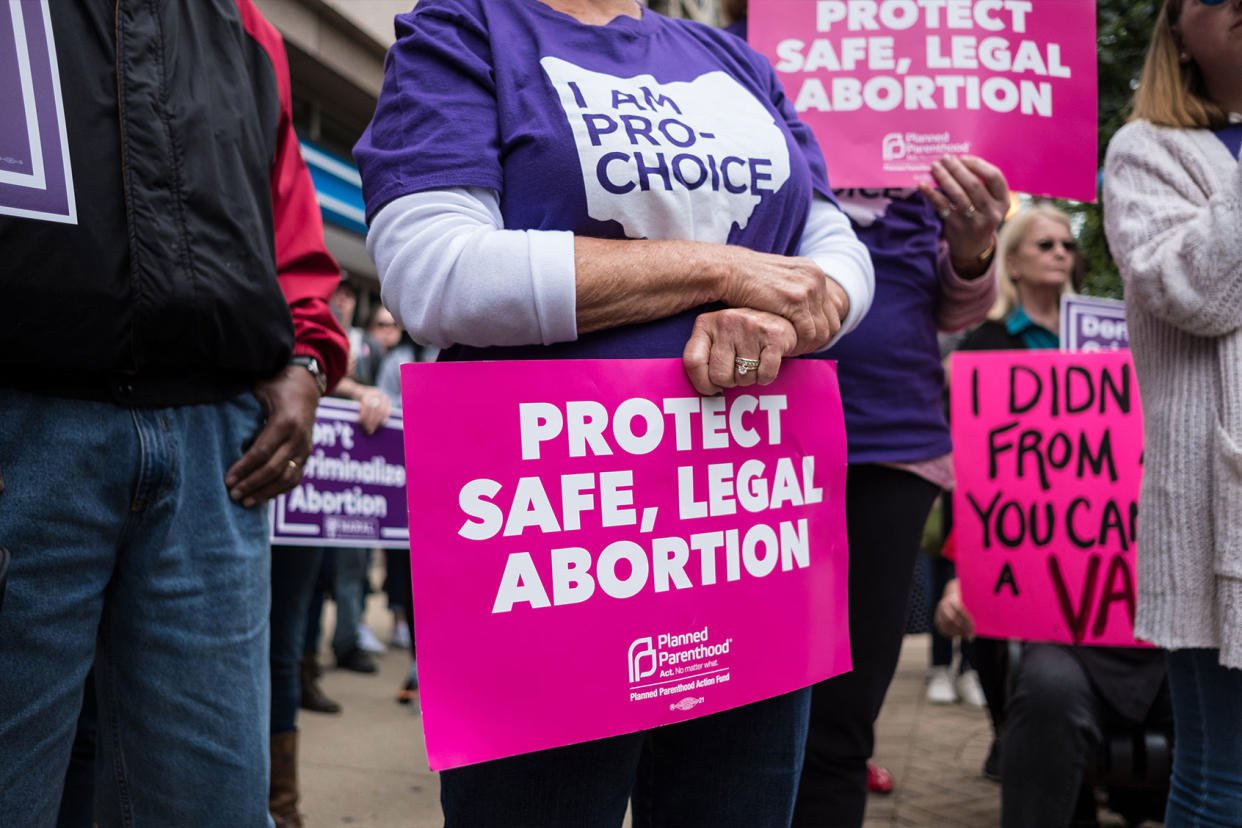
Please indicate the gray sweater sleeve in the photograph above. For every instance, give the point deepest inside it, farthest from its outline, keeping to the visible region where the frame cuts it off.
(1173, 216)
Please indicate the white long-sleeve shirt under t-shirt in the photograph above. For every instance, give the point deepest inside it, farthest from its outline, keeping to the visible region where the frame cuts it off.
(451, 274)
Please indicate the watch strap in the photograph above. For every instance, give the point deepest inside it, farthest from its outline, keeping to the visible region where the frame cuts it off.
(311, 364)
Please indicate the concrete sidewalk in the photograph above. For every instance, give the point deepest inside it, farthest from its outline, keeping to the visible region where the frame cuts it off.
(366, 766)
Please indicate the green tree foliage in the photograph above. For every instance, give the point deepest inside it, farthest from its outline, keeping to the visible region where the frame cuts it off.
(1123, 28)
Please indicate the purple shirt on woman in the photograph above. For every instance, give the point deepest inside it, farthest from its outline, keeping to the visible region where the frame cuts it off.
(654, 128)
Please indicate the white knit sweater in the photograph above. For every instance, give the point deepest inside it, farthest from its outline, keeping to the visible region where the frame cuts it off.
(1173, 215)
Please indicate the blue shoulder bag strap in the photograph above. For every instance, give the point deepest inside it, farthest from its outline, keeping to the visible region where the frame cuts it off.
(1232, 138)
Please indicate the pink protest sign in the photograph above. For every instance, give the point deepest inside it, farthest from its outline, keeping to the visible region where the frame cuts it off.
(596, 549)
(889, 86)
(1047, 449)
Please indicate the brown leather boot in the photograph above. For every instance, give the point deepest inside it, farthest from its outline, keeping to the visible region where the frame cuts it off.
(282, 797)
(313, 697)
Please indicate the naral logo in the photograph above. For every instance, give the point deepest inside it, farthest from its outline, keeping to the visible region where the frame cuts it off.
(894, 146)
(642, 648)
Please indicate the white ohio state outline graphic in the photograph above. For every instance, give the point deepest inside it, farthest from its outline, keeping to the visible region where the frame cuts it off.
(709, 123)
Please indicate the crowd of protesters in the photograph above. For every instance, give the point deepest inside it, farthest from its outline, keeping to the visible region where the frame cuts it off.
(155, 648)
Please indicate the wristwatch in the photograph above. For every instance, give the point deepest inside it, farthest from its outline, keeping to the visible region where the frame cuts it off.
(311, 364)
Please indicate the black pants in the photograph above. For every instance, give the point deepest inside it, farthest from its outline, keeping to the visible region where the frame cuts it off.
(885, 509)
(294, 570)
(1053, 722)
(397, 585)
(942, 571)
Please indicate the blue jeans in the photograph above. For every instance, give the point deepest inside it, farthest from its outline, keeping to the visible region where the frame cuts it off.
(1206, 789)
(349, 592)
(128, 554)
(77, 801)
(736, 769)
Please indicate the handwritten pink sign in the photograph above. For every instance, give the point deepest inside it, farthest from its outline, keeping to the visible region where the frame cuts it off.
(596, 549)
(889, 86)
(1047, 449)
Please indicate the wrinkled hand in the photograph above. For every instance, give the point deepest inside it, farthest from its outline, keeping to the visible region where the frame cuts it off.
(274, 463)
(721, 336)
(374, 408)
(791, 287)
(972, 202)
(951, 618)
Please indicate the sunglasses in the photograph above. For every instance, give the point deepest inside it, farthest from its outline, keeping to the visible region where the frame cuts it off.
(1045, 245)
(1212, 2)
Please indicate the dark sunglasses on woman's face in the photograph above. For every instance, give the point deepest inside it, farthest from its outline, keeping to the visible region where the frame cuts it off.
(1047, 244)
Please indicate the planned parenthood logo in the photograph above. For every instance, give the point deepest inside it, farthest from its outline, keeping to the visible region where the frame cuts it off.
(670, 664)
(674, 654)
(642, 659)
(894, 146)
(914, 151)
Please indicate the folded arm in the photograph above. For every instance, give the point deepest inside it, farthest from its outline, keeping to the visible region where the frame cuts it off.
(451, 274)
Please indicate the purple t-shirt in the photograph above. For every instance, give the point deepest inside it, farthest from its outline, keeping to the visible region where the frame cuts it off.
(655, 128)
(889, 366)
(1232, 138)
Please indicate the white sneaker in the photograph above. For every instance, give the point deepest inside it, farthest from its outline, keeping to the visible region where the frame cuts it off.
(940, 687)
(400, 635)
(969, 690)
(368, 642)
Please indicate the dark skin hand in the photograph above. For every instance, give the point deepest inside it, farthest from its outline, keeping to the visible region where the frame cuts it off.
(289, 400)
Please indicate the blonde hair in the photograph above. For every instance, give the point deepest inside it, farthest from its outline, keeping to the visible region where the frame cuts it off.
(1172, 92)
(1011, 237)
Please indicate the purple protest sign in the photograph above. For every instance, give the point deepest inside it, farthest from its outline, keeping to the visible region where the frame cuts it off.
(1093, 324)
(353, 487)
(36, 180)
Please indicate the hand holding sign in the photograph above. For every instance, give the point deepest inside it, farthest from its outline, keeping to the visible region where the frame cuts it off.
(972, 202)
(721, 337)
(952, 619)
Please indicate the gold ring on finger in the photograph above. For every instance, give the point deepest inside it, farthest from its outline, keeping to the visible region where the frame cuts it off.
(293, 464)
(745, 366)
(970, 211)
